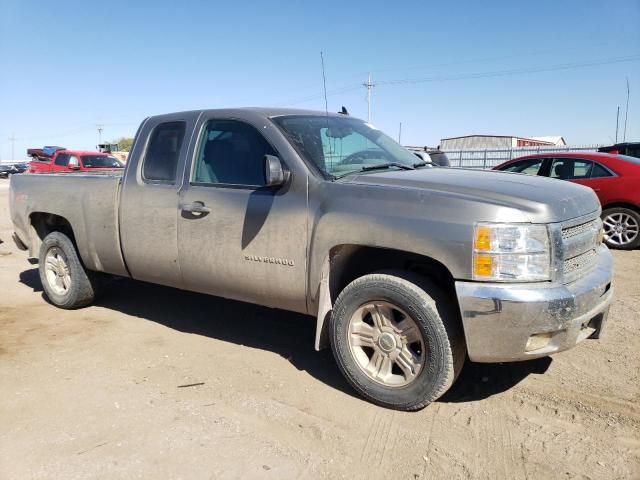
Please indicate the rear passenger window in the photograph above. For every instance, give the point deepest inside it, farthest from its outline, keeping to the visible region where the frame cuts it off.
(599, 171)
(163, 152)
(570, 169)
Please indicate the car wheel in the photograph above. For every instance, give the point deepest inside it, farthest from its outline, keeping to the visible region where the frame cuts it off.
(397, 340)
(66, 282)
(621, 228)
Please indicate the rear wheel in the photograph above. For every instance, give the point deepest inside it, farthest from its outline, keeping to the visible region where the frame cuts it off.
(396, 339)
(66, 282)
(621, 228)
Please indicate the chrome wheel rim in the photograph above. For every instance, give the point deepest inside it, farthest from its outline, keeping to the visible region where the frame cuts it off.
(57, 271)
(620, 229)
(386, 344)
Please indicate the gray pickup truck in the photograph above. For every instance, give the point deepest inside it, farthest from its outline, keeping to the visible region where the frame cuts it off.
(408, 269)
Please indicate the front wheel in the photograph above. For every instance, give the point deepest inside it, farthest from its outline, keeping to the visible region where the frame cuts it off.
(66, 282)
(396, 338)
(621, 228)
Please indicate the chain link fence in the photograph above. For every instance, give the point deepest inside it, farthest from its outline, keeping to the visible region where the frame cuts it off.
(490, 158)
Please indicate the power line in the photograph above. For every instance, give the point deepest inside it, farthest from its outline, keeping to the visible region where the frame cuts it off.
(469, 76)
(514, 71)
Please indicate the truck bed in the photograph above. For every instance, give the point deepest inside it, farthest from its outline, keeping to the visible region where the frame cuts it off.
(88, 201)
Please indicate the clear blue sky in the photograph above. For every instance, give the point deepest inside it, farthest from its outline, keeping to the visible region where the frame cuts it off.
(66, 66)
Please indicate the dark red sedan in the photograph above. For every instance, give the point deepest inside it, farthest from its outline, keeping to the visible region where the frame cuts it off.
(614, 178)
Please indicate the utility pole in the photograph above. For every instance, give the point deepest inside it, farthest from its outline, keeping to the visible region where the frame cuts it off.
(617, 121)
(626, 113)
(369, 87)
(100, 129)
(12, 139)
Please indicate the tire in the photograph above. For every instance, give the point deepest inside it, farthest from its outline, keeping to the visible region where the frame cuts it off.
(67, 284)
(622, 228)
(436, 361)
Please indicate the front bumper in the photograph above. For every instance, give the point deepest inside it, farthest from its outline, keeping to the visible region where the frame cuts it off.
(510, 322)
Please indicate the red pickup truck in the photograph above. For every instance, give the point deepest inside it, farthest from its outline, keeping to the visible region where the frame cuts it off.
(71, 160)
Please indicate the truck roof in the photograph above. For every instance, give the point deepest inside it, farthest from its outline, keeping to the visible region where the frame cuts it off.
(267, 112)
(82, 152)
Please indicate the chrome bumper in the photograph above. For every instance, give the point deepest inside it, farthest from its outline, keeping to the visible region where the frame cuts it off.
(510, 322)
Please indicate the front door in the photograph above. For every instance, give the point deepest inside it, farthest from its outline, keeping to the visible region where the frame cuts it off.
(61, 163)
(237, 238)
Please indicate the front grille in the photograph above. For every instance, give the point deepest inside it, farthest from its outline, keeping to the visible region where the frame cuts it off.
(579, 262)
(570, 232)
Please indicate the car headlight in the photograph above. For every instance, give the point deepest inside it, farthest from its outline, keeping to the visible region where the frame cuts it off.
(511, 252)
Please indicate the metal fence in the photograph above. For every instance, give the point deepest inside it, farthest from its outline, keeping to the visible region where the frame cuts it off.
(490, 158)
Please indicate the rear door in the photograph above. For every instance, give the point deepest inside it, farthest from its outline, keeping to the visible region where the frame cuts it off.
(588, 173)
(603, 181)
(149, 200)
(250, 241)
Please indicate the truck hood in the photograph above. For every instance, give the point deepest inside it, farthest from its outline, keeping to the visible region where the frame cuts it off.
(540, 199)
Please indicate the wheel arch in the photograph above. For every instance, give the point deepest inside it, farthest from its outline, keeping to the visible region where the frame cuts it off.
(42, 224)
(630, 206)
(346, 262)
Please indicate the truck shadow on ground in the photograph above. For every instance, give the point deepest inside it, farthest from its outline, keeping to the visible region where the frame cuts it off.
(287, 334)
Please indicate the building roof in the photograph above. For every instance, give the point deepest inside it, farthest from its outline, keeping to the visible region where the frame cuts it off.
(555, 139)
(538, 139)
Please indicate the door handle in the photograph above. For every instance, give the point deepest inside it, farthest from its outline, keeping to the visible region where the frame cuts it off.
(195, 207)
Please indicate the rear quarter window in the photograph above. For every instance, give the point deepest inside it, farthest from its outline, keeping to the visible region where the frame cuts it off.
(163, 152)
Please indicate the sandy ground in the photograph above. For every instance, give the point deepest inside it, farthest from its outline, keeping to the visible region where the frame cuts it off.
(100, 393)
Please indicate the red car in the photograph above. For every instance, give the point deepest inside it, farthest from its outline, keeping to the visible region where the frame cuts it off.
(614, 178)
(73, 160)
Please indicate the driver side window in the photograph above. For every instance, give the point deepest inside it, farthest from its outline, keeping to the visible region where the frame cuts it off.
(62, 160)
(530, 167)
(231, 153)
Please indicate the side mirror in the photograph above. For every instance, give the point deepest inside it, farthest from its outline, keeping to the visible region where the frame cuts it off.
(274, 174)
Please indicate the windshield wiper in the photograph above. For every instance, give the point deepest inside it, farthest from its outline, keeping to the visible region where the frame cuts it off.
(379, 166)
(420, 164)
(387, 165)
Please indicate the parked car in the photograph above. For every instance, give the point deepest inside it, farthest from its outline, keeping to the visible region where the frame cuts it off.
(432, 156)
(7, 169)
(73, 160)
(631, 149)
(407, 269)
(614, 178)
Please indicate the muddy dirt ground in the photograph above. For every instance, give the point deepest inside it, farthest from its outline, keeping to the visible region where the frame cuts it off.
(103, 392)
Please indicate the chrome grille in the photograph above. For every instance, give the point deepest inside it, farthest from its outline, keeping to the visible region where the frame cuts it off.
(579, 262)
(578, 252)
(570, 232)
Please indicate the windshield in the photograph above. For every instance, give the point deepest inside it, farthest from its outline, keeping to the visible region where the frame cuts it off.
(100, 161)
(342, 145)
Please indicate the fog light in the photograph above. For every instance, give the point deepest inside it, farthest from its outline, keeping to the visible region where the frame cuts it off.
(538, 341)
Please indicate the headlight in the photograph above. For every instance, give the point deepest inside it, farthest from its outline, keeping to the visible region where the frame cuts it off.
(511, 252)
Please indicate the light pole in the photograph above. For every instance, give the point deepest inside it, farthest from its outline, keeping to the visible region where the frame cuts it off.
(369, 86)
(12, 139)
